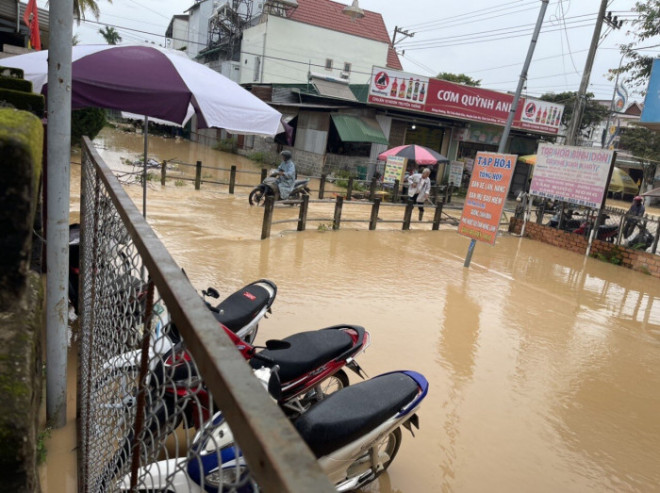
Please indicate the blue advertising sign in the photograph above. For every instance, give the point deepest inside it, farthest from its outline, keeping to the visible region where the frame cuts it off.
(651, 111)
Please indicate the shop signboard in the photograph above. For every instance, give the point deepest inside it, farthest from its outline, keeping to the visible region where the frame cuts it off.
(486, 196)
(456, 172)
(577, 175)
(395, 166)
(440, 97)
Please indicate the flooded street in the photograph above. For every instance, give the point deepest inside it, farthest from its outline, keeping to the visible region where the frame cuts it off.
(543, 365)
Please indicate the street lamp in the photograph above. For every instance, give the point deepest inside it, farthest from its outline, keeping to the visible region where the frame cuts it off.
(354, 11)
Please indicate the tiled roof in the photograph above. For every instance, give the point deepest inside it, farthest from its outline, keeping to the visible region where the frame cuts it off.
(393, 61)
(329, 15)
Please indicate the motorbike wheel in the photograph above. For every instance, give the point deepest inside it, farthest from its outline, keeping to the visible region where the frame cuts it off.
(330, 385)
(385, 451)
(256, 196)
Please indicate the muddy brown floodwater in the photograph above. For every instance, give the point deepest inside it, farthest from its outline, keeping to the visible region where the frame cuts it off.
(543, 365)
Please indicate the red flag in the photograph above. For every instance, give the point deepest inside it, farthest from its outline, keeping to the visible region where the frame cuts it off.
(31, 20)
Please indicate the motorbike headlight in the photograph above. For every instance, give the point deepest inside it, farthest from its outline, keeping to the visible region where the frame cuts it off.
(228, 478)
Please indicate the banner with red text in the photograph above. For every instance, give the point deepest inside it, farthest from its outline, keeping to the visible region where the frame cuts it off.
(484, 202)
(440, 97)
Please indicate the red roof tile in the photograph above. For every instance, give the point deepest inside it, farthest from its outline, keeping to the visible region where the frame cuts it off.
(329, 15)
(393, 61)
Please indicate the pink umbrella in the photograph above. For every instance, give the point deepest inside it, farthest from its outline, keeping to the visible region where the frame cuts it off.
(414, 152)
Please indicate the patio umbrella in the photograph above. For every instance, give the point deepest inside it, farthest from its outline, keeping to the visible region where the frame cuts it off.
(414, 152)
(154, 82)
(622, 183)
(652, 193)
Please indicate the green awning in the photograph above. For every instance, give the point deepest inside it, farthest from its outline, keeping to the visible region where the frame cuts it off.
(358, 129)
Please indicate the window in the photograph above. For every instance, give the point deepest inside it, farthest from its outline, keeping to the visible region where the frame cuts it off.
(257, 66)
(328, 63)
(347, 67)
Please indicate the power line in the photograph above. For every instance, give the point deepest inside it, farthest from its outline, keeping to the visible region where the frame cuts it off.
(468, 15)
(492, 32)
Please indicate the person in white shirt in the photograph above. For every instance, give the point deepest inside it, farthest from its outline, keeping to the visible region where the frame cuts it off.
(423, 190)
(413, 181)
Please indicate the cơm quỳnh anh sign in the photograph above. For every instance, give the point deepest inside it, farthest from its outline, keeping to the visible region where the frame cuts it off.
(440, 97)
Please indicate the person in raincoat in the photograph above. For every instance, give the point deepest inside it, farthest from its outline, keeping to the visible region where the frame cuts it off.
(635, 212)
(287, 175)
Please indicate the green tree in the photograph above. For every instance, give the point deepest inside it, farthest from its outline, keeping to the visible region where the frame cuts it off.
(87, 121)
(593, 111)
(459, 79)
(111, 36)
(644, 145)
(644, 28)
(81, 6)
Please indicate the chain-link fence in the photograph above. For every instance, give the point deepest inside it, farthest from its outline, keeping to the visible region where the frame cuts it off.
(153, 363)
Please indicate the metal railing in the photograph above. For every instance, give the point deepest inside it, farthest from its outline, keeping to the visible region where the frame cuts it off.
(614, 225)
(138, 315)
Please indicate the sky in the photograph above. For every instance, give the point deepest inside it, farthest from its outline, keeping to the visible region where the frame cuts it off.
(485, 39)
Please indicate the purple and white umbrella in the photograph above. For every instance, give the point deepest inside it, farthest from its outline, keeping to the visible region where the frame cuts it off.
(154, 82)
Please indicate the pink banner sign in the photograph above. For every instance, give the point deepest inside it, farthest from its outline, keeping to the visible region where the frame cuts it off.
(577, 175)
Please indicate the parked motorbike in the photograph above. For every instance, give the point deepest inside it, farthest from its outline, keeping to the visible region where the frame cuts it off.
(642, 240)
(312, 364)
(311, 367)
(270, 187)
(242, 311)
(568, 222)
(355, 434)
(606, 232)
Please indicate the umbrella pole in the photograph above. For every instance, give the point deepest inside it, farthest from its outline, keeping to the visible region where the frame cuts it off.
(144, 167)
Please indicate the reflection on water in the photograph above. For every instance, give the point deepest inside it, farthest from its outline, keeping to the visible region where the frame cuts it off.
(543, 365)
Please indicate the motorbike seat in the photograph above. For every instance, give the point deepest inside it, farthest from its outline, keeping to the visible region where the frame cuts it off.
(354, 411)
(608, 228)
(299, 183)
(308, 351)
(238, 310)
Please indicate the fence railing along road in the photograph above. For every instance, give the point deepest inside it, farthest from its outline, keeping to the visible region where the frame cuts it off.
(133, 295)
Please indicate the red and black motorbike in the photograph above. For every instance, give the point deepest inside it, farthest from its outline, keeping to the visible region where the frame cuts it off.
(311, 366)
(606, 232)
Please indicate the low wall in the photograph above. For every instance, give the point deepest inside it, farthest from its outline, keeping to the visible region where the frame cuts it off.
(21, 298)
(632, 259)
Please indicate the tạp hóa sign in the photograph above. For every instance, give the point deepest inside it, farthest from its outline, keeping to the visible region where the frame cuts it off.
(484, 202)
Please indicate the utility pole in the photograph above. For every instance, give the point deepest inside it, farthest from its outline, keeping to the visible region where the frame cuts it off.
(580, 100)
(397, 30)
(514, 105)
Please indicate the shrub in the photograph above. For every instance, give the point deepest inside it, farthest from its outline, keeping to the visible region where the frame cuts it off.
(263, 157)
(87, 121)
(227, 145)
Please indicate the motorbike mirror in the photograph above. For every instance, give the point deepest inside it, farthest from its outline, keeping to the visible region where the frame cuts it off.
(212, 292)
(275, 344)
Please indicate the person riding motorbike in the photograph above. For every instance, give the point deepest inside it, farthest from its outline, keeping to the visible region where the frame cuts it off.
(635, 212)
(287, 175)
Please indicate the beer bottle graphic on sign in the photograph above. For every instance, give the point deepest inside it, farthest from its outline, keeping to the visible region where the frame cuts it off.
(553, 114)
(422, 92)
(558, 118)
(544, 117)
(394, 88)
(416, 90)
(410, 87)
(402, 89)
(538, 116)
